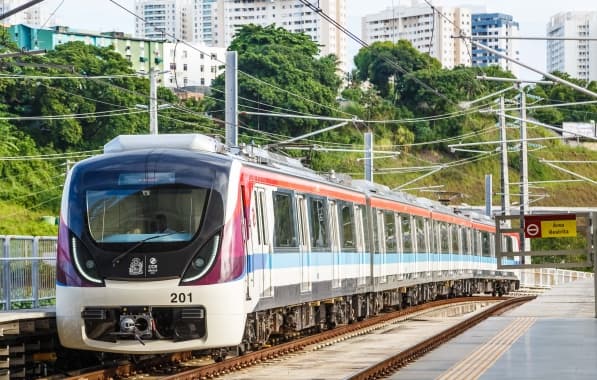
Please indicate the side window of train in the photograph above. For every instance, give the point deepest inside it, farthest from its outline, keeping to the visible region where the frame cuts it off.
(465, 241)
(444, 238)
(475, 243)
(360, 223)
(284, 221)
(390, 227)
(347, 226)
(377, 230)
(407, 239)
(454, 230)
(420, 234)
(485, 244)
(433, 228)
(260, 217)
(318, 223)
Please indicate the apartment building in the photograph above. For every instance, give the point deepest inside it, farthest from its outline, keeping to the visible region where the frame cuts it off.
(292, 15)
(426, 29)
(578, 58)
(492, 30)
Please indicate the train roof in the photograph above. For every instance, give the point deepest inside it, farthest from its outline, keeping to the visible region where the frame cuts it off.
(255, 155)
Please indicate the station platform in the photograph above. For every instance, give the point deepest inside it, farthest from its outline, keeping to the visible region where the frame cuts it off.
(551, 337)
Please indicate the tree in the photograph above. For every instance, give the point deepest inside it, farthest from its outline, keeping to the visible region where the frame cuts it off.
(280, 72)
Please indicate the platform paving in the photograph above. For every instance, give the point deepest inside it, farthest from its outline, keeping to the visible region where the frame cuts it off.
(552, 337)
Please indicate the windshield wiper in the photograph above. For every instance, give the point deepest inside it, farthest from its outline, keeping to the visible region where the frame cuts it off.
(117, 259)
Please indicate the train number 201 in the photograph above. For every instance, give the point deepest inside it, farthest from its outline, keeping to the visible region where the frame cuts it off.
(181, 297)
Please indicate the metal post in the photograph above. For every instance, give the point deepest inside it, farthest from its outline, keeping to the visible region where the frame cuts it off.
(524, 177)
(593, 227)
(231, 78)
(369, 156)
(505, 181)
(153, 102)
(488, 194)
(35, 272)
(6, 285)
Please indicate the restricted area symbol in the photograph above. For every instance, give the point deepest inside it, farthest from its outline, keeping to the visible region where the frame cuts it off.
(532, 229)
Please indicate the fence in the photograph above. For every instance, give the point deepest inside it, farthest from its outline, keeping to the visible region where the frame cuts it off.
(548, 277)
(27, 271)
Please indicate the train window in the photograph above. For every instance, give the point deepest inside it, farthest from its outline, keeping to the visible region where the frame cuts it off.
(131, 215)
(347, 226)
(359, 228)
(319, 224)
(378, 230)
(260, 211)
(475, 242)
(444, 238)
(284, 224)
(390, 227)
(420, 234)
(407, 241)
(454, 232)
(485, 244)
(465, 241)
(433, 235)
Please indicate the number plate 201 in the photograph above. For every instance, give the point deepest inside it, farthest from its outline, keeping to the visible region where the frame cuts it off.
(181, 297)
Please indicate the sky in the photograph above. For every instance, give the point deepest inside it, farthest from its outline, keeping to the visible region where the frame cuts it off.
(532, 16)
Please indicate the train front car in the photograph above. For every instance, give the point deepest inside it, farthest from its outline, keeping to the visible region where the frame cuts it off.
(150, 251)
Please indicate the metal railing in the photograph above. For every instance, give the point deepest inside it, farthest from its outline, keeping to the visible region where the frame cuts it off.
(548, 277)
(27, 272)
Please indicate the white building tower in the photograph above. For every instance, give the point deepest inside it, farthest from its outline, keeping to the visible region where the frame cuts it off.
(425, 28)
(576, 57)
(291, 15)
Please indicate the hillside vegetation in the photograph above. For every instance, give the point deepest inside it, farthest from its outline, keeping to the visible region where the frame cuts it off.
(63, 106)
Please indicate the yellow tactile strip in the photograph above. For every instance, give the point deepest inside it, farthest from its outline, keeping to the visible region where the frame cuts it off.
(484, 356)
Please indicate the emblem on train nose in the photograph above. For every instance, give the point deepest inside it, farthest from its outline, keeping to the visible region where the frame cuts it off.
(136, 267)
(152, 268)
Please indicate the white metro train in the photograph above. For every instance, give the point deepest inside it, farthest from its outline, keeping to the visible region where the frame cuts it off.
(170, 243)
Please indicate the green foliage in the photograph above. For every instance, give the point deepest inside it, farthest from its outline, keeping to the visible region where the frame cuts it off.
(274, 65)
(558, 93)
(33, 147)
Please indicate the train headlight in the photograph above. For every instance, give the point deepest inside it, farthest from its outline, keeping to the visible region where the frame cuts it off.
(203, 260)
(84, 262)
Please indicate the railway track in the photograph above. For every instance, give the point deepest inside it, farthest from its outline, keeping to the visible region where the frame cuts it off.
(188, 366)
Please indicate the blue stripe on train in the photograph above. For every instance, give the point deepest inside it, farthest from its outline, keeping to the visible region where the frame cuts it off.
(281, 260)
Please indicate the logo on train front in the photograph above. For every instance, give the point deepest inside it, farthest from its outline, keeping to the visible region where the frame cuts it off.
(136, 267)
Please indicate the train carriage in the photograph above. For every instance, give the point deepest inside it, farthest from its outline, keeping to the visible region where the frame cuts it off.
(257, 247)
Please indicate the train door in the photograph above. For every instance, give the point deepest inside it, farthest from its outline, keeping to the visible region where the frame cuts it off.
(304, 247)
(361, 245)
(335, 245)
(261, 242)
(246, 226)
(380, 268)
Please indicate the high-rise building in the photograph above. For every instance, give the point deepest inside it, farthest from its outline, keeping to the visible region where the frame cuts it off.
(200, 14)
(427, 30)
(162, 19)
(292, 15)
(33, 16)
(487, 27)
(578, 58)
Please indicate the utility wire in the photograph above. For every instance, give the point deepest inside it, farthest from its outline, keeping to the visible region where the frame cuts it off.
(364, 44)
(217, 60)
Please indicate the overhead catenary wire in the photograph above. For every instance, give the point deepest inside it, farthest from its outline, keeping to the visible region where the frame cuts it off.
(358, 40)
(174, 38)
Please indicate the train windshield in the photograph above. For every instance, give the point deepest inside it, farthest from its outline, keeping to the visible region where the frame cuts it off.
(162, 212)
